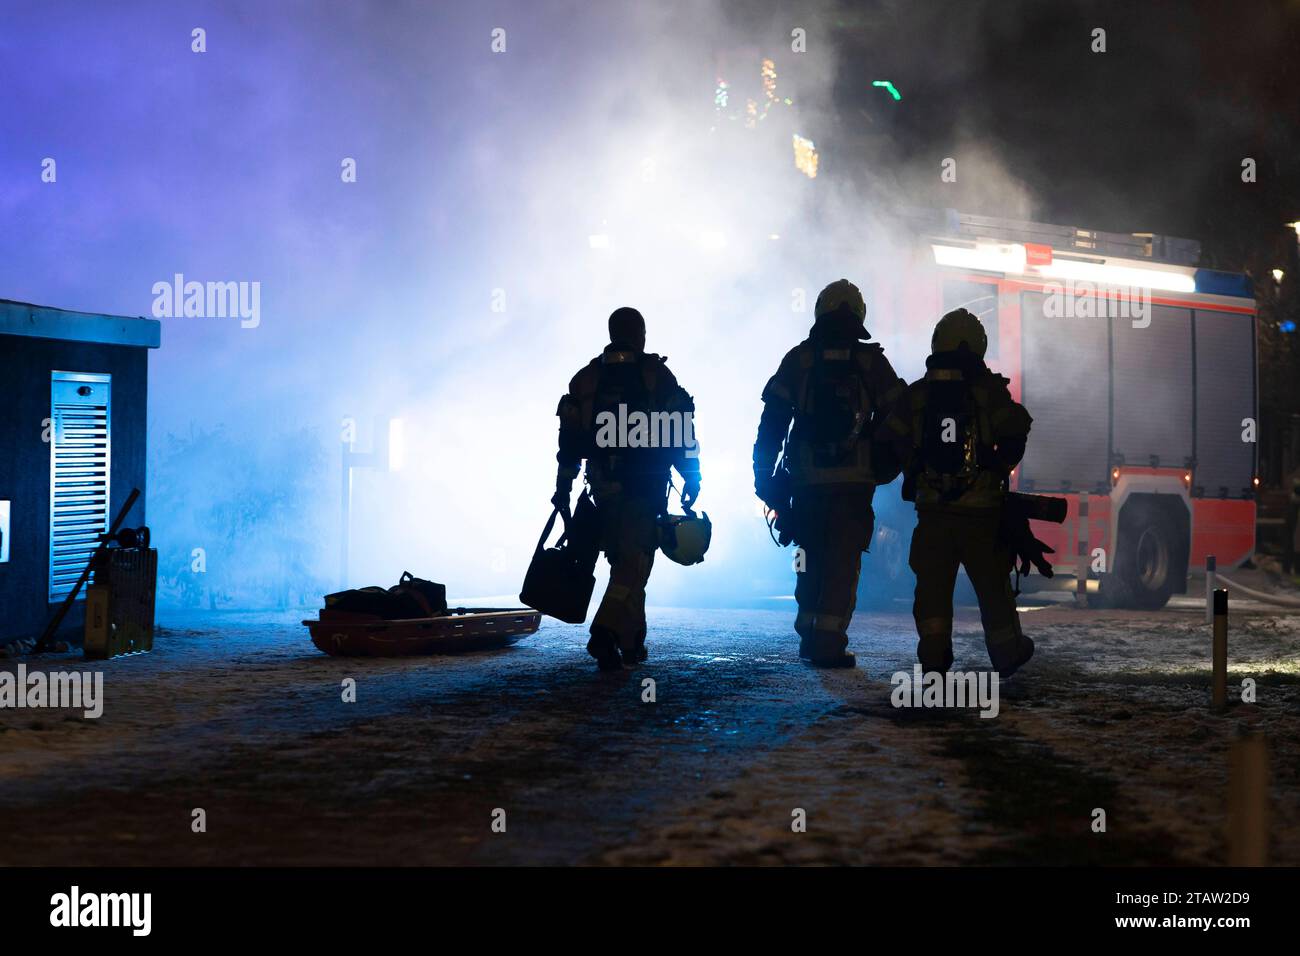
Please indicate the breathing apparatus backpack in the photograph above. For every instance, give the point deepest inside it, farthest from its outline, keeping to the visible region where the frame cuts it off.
(834, 406)
(622, 388)
(952, 434)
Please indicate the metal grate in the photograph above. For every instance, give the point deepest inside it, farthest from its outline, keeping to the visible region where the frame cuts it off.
(80, 459)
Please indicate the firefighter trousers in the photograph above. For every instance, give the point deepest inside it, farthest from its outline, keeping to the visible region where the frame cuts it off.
(629, 537)
(942, 542)
(832, 528)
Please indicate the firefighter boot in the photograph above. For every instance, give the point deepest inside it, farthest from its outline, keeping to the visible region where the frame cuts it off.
(604, 647)
(934, 656)
(934, 647)
(828, 649)
(1009, 657)
(1008, 648)
(637, 653)
(803, 627)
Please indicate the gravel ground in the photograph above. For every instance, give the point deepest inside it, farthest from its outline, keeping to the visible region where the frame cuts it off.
(238, 714)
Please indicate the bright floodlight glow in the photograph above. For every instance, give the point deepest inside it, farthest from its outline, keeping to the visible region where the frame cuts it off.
(985, 257)
(1109, 275)
(598, 241)
(712, 241)
(396, 444)
(1277, 275)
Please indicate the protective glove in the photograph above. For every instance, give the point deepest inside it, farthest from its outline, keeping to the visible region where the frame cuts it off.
(690, 491)
(1035, 552)
(563, 490)
(1031, 552)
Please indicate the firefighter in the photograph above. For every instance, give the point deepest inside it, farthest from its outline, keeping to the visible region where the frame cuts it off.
(960, 434)
(629, 480)
(829, 387)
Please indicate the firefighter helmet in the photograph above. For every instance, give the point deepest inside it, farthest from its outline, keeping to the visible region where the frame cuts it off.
(956, 327)
(685, 538)
(840, 293)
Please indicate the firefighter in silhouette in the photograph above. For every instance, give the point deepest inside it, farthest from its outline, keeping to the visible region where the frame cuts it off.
(818, 414)
(960, 434)
(629, 481)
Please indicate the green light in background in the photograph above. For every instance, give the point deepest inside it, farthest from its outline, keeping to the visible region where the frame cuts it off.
(886, 85)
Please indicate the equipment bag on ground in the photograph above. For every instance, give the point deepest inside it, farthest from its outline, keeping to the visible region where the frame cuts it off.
(411, 597)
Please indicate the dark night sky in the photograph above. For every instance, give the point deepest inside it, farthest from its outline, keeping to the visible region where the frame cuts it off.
(1148, 136)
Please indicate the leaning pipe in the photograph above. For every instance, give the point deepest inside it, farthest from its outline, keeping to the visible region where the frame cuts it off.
(1264, 596)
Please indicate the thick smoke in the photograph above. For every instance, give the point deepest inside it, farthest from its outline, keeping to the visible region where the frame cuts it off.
(505, 203)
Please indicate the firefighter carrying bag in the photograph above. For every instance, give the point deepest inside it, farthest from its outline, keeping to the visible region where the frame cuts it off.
(560, 579)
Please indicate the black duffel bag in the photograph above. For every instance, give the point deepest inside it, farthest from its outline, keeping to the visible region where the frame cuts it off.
(560, 579)
(429, 596)
(411, 597)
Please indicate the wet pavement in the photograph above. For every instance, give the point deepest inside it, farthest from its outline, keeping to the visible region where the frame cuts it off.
(239, 715)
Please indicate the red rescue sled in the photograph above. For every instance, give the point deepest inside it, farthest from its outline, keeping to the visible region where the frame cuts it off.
(344, 634)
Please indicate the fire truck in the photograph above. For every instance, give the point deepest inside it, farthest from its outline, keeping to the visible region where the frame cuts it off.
(1140, 372)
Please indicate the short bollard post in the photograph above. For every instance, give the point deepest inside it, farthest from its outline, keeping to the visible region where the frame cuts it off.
(1211, 582)
(1248, 810)
(1081, 559)
(1220, 684)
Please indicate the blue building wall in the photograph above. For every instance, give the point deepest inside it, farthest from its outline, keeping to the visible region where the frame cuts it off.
(25, 367)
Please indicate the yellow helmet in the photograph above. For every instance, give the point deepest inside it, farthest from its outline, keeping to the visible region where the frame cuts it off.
(685, 538)
(956, 327)
(839, 293)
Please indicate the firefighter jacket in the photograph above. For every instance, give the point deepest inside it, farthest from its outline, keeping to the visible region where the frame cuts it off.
(832, 388)
(628, 417)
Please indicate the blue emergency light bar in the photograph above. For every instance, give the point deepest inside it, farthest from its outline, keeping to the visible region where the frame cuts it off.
(1212, 282)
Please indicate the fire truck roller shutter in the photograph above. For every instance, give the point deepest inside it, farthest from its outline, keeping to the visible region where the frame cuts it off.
(1152, 378)
(1225, 394)
(1065, 384)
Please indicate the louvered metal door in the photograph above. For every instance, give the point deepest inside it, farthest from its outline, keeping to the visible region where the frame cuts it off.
(1066, 387)
(80, 462)
(1151, 370)
(1225, 399)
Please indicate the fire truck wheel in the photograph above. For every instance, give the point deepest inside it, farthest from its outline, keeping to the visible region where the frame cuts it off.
(1110, 593)
(1144, 572)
